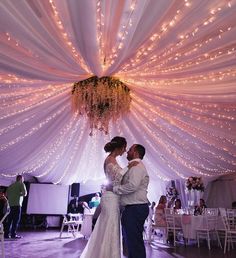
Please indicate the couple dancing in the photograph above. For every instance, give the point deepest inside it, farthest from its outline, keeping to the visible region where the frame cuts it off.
(128, 188)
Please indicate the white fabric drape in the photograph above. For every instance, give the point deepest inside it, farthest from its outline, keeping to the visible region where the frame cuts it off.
(221, 192)
(177, 57)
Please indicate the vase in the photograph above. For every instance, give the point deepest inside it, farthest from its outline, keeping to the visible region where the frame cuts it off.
(193, 198)
(197, 197)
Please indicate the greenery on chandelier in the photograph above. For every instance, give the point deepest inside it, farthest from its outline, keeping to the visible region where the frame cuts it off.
(195, 183)
(102, 99)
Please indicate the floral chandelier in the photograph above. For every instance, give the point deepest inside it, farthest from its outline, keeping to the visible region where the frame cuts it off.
(102, 100)
(195, 183)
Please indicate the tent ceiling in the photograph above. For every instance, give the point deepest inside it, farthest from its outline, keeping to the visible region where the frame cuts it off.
(177, 57)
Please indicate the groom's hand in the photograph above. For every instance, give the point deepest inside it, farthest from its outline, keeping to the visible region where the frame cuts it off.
(109, 187)
(132, 164)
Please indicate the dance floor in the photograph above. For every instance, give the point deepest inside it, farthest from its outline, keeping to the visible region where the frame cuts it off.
(47, 244)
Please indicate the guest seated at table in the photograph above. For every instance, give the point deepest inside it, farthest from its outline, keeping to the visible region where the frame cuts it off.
(96, 198)
(200, 208)
(95, 201)
(178, 205)
(159, 212)
(234, 205)
(76, 206)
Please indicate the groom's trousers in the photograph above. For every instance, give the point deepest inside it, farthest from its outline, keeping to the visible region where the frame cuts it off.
(133, 218)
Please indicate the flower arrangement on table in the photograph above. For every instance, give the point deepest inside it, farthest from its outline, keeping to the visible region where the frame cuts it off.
(195, 183)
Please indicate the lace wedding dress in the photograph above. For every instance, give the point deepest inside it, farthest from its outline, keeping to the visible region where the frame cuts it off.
(105, 241)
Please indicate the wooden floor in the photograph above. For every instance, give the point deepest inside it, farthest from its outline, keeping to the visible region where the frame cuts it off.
(47, 244)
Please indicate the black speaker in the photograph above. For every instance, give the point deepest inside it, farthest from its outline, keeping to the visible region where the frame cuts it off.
(75, 189)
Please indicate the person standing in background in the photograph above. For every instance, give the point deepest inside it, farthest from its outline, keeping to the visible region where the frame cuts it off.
(15, 194)
(3, 203)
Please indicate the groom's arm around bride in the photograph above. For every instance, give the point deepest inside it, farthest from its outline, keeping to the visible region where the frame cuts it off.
(133, 191)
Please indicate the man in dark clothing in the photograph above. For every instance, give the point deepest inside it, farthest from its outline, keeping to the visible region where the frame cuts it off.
(15, 194)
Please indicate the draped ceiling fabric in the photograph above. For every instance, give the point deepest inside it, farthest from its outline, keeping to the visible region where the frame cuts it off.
(176, 56)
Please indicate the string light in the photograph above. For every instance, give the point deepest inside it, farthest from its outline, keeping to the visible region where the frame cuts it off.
(154, 64)
(107, 59)
(68, 43)
(182, 85)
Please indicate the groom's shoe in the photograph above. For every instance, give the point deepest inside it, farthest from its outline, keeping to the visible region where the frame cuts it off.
(125, 253)
(16, 237)
(125, 250)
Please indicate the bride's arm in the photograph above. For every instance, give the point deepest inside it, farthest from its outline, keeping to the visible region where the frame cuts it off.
(122, 171)
(115, 171)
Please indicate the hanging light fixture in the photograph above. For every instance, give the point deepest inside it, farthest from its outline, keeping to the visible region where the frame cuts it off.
(102, 100)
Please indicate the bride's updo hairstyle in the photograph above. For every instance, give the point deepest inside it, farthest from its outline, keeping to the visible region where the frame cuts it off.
(116, 143)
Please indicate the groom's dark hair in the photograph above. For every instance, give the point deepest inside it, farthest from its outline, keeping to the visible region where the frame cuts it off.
(140, 149)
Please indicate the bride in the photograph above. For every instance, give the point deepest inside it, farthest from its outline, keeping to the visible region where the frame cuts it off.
(105, 239)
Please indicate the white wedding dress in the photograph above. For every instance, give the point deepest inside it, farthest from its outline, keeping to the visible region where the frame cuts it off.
(105, 241)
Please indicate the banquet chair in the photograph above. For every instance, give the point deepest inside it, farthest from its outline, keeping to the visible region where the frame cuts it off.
(172, 226)
(73, 223)
(211, 211)
(209, 229)
(151, 230)
(221, 228)
(2, 231)
(147, 230)
(169, 211)
(230, 231)
(231, 215)
(159, 231)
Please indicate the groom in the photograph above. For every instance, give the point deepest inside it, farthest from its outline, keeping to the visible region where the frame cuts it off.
(133, 191)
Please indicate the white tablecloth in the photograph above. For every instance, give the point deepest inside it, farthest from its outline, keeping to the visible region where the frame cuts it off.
(86, 228)
(191, 223)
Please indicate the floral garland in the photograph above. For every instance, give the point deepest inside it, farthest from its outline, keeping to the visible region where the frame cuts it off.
(102, 100)
(171, 193)
(195, 183)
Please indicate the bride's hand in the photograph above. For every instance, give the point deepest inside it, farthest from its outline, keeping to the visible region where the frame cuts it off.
(132, 164)
(109, 187)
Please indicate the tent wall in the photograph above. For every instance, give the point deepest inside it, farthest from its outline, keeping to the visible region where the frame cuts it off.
(221, 193)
